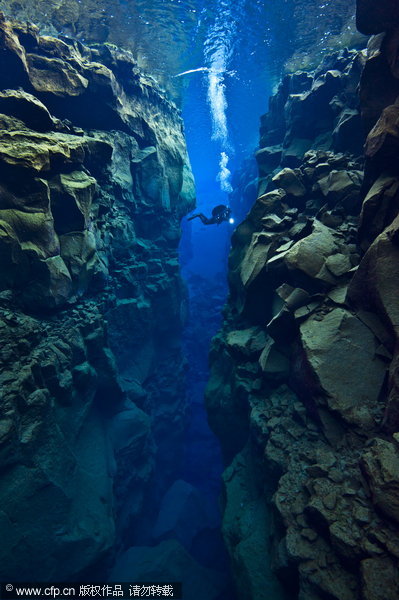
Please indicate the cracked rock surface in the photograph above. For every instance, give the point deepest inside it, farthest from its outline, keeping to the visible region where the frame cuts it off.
(303, 388)
(94, 181)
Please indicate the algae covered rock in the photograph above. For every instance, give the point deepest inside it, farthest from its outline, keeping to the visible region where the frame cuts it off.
(37, 211)
(52, 76)
(68, 162)
(82, 426)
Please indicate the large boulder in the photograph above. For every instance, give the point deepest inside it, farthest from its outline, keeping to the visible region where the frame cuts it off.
(378, 86)
(316, 102)
(247, 342)
(288, 180)
(340, 342)
(308, 255)
(342, 188)
(256, 257)
(374, 286)
(383, 140)
(268, 159)
(380, 207)
(348, 134)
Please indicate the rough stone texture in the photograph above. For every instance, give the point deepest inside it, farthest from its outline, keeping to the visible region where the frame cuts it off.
(379, 88)
(288, 180)
(94, 181)
(340, 342)
(380, 207)
(329, 96)
(318, 411)
(380, 579)
(381, 466)
(246, 529)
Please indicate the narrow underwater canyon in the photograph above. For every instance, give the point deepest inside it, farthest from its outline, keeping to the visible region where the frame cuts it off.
(104, 475)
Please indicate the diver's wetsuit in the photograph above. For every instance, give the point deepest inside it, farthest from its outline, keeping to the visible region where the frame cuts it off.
(219, 214)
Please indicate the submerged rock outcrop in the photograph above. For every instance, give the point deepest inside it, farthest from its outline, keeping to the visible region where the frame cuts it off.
(94, 181)
(303, 388)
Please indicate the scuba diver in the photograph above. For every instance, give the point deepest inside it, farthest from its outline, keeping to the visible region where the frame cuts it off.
(219, 214)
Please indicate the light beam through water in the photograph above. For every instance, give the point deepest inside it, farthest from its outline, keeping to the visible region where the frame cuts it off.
(218, 50)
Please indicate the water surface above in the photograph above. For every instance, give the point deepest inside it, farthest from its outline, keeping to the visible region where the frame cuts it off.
(218, 59)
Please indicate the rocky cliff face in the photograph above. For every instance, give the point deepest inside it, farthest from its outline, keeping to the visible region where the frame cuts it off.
(303, 392)
(94, 181)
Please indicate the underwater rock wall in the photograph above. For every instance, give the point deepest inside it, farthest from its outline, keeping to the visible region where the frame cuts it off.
(303, 388)
(94, 181)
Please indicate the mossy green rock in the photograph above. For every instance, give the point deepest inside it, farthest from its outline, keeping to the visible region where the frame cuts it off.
(95, 179)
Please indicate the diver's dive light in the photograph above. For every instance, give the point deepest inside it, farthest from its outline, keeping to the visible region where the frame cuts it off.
(231, 221)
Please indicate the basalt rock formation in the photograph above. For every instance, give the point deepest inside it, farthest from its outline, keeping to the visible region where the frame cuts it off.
(304, 388)
(94, 181)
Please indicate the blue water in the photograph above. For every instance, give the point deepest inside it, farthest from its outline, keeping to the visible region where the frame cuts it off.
(221, 109)
(219, 136)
